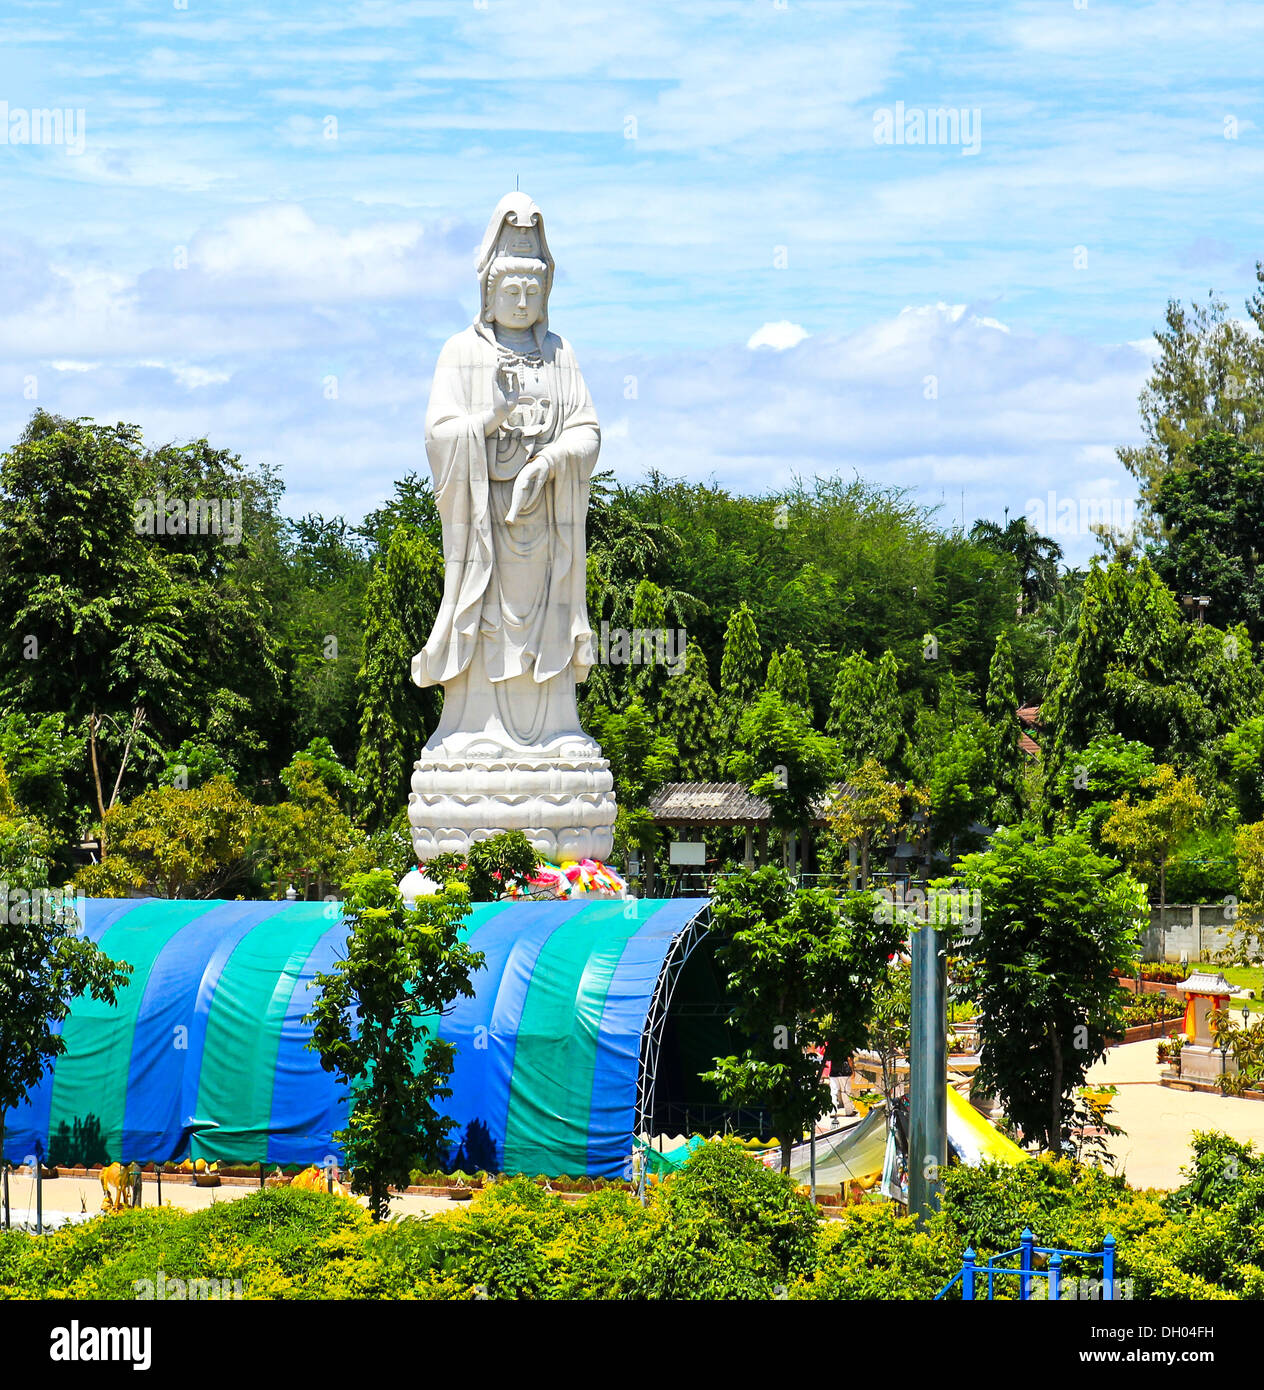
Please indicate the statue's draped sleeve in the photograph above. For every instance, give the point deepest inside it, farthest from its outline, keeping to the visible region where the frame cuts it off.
(567, 636)
(457, 448)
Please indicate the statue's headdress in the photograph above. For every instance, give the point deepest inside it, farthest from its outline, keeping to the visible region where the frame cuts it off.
(514, 241)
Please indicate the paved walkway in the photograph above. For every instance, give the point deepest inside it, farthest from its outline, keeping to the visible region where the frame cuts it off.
(1158, 1121)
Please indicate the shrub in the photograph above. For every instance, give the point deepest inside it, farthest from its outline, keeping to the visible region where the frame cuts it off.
(1215, 1175)
(496, 1248)
(873, 1252)
(1151, 1008)
(754, 1203)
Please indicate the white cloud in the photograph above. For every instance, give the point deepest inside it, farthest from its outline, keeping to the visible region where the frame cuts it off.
(779, 336)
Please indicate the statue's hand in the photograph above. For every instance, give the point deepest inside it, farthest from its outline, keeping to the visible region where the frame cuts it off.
(528, 486)
(504, 396)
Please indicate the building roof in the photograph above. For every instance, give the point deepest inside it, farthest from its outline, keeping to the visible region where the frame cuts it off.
(720, 803)
(1204, 982)
(707, 803)
(1029, 715)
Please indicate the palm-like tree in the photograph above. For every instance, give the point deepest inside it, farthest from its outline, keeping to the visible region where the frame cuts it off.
(1035, 555)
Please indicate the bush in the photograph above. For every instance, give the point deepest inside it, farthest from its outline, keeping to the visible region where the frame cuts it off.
(1161, 972)
(1214, 1177)
(497, 1248)
(988, 1207)
(752, 1202)
(274, 1242)
(1151, 1008)
(873, 1252)
(724, 1227)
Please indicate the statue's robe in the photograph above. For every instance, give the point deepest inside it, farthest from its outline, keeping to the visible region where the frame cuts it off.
(512, 635)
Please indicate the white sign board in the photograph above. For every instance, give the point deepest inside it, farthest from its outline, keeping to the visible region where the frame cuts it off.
(692, 852)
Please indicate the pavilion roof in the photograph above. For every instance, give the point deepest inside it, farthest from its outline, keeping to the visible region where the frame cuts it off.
(718, 803)
(1204, 982)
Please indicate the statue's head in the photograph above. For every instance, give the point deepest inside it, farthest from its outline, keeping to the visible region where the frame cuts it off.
(515, 268)
(515, 294)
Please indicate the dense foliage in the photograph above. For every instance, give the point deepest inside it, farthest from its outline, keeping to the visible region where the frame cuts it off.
(724, 1228)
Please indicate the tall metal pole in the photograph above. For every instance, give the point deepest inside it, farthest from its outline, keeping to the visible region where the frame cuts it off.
(928, 1068)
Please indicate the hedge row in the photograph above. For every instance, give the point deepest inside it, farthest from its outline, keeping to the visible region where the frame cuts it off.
(724, 1228)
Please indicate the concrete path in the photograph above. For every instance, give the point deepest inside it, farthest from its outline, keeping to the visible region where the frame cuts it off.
(1159, 1122)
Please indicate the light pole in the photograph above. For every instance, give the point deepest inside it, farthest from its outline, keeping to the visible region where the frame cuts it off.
(928, 1070)
(1198, 601)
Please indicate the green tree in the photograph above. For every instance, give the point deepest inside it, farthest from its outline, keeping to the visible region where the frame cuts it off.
(741, 676)
(801, 970)
(641, 759)
(950, 758)
(870, 805)
(864, 717)
(1241, 765)
(45, 760)
(1147, 831)
(890, 1032)
(691, 717)
(1093, 779)
(193, 764)
(45, 964)
(789, 679)
(1135, 667)
(308, 839)
(782, 758)
(26, 845)
(1212, 510)
(110, 608)
(395, 717)
(403, 966)
(1208, 377)
(1035, 557)
(320, 622)
(176, 843)
(649, 617)
(1006, 757)
(1056, 922)
(413, 507)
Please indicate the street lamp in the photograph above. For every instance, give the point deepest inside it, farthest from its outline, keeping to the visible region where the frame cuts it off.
(1199, 601)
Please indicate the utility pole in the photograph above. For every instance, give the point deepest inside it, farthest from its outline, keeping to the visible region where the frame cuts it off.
(928, 1067)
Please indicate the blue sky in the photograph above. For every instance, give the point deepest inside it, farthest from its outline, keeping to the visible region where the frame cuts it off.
(272, 196)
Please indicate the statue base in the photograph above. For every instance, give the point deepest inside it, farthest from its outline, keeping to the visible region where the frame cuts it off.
(561, 798)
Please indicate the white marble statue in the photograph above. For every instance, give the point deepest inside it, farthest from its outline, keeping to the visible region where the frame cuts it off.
(512, 439)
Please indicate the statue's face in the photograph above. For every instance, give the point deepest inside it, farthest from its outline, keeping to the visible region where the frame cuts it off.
(518, 301)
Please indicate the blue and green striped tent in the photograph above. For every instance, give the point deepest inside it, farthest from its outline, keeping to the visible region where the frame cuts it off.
(204, 1054)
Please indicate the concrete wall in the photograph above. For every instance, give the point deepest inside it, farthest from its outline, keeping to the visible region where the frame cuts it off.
(1197, 929)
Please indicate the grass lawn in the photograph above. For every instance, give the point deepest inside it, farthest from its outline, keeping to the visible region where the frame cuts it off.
(1248, 977)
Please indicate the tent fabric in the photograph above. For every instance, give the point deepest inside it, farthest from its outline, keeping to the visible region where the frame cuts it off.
(205, 1054)
(858, 1154)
